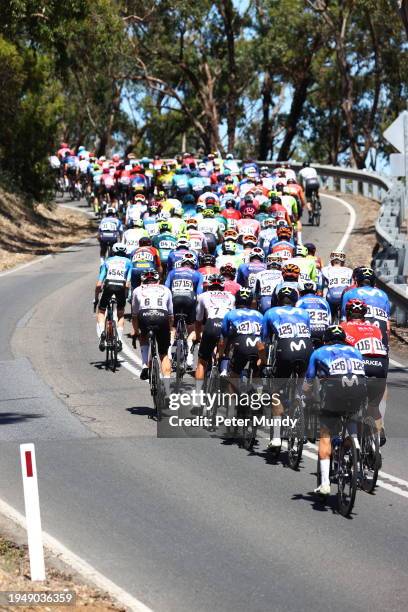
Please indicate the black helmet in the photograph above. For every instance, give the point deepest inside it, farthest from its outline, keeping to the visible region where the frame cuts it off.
(145, 241)
(306, 164)
(334, 333)
(215, 281)
(311, 248)
(287, 295)
(243, 297)
(207, 260)
(364, 276)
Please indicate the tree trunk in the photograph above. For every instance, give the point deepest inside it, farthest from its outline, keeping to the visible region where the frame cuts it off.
(265, 144)
(296, 110)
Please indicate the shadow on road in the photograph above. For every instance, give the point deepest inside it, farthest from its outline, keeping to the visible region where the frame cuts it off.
(7, 418)
(142, 411)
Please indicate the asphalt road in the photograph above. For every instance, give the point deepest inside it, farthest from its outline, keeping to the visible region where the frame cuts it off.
(181, 524)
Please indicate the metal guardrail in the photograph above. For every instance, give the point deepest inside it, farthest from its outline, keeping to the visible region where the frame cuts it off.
(391, 258)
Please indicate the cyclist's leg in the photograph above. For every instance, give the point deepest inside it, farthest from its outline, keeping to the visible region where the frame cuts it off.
(121, 303)
(376, 369)
(210, 337)
(101, 315)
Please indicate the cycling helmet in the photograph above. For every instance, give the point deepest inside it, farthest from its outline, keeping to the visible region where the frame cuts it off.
(291, 270)
(119, 249)
(183, 243)
(178, 211)
(284, 232)
(248, 211)
(287, 295)
(306, 164)
(282, 223)
(150, 276)
(145, 241)
(140, 198)
(137, 222)
(291, 181)
(269, 222)
(356, 309)
(230, 188)
(334, 334)
(279, 187)
(249, 240)
(110, 211)
(229, 156)
(200, 206)
(230, 203)
(193, 223)
(188, 199)
(307, 286)
(188, 260)
(301, 251)
(256, 252)
(210, 201)
(337, 255)
(311, 248)
(243, 297)
(207, 259)
(216, 208)
(274, 261)
(231, 234)
(229, 247)
(276, 200)
(154, 208)
(228, 270)
(364, 276)
(164, 226)
(216, 281)
(208, 213)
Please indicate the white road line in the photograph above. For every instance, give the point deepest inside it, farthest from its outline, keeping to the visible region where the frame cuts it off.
(78, 564)
(351, 222)
(397, 363)
(131, 353)
(131, 368)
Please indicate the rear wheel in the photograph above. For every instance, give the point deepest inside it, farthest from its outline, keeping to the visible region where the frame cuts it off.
(296, 436)
(369, 455)
(180, 362)
(347, 476)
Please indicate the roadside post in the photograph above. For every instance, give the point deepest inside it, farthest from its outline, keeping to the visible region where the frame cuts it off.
(32, 511)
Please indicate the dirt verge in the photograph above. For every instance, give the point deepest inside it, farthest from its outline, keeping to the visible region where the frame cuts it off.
(26, 233)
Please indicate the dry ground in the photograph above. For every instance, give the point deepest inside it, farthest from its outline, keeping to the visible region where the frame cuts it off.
(26, 233)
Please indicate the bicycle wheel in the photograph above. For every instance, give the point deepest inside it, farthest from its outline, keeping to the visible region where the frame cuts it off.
(347, 476)
(180, 362)
(211, 389)
(369, 455)
(316, 219)
(155, 386)
(114, 348)
(249, 430)
(108, 343)
(296, 435)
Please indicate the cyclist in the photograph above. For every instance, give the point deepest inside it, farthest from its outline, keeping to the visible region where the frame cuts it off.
(133, 234)
(164, 242)
(318, 309)
(229, 273)
(176, 255)
(212, 305)
(207, 265)
(247, 272)
(336, 278)
(229, 254)
(376, 300)
(240, 333)
(266, 281)
(367, 338)
(196, 238)
(287, 329)
(114, 279)
(248, 224)
(310, 182)
(290, 276)
(230, 211)
(278, 211)
(152, 309)
(267, 233)
(145, 257)
(283, 245)
(185, 283)
(110, 231)
(307, 265)
(176, 221)
(209, 226)
(332, 366)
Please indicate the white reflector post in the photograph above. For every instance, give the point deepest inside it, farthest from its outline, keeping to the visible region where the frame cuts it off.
(32, 511)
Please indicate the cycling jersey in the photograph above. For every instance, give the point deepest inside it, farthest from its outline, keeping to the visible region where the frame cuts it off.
(265, 283)
(197, 240)
(131, 238)
(231, 286)
(319, 313)
(184, 282)
(214, 305)
(285, 322)
(234, 260)
(109, 229)
(265, 238)
(175, 258)
(115, 271)
(336, 279)
(241, 322)
(165, 243)
(335, 360)
(307, 267)
(283, 248)
(248, 226)
(247, 273)
(206, 271)
(151, 225)
(152, 297)
(365, 337)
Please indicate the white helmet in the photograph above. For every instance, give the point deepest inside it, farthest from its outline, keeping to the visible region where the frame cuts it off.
(119, 248)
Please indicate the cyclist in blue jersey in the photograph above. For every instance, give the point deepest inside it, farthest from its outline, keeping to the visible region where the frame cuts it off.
(290, 278)
(376, 300)
(338, 371)
(114, 279)
(110, 231)
(247, 272)
(286, 330)
(318, 309)
(240, 332)
(267, 233)
(176, 255)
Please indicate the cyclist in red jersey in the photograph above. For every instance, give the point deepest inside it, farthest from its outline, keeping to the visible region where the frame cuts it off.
(229, 273)
(367, 338)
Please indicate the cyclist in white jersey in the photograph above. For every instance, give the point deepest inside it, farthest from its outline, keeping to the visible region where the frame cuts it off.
(211, 308)
(152, 309)
(336, 278)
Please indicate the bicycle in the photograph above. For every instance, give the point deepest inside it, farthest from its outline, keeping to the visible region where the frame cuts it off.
(210, 388)
(343, 467)
(157, 389)
(111, 336)
(369, 454)
(295, 435)
(316, 208)
(249, 427)
(181, 348)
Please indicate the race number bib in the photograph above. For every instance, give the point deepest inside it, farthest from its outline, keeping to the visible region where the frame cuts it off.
(117, 271)
(108, 226)
(182, 285)
(346, 365)
(252, 328)
(371, 346)
(318, 318)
